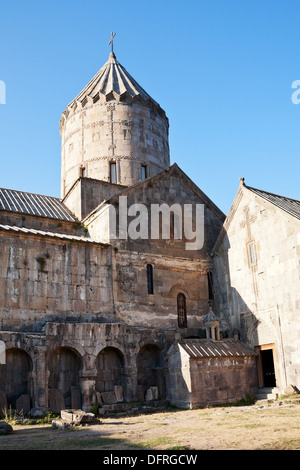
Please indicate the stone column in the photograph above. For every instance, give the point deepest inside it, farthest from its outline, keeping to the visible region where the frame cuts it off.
(39, 381)
(88, 388)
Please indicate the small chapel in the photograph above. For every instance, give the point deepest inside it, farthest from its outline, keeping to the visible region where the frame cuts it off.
(95, 310)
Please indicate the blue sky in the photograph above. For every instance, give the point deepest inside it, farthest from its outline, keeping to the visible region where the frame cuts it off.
(221, 69)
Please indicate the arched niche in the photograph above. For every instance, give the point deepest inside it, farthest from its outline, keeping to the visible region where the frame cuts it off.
(150, 371)
(110, 367)
(16, 375)
(64, 366)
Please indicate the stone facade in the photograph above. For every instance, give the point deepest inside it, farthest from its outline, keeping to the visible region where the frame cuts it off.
(89, 312)
(216, 372)
(257, 281)
(77, 315)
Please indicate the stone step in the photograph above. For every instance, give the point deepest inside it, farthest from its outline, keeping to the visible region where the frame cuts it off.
(267, 393)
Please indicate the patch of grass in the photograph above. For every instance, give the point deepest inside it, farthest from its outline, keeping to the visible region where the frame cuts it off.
(14, 417)
(245, 401)
(178, 448)
(62, 443)
(282, 444)
(254, 426)
(159, 441)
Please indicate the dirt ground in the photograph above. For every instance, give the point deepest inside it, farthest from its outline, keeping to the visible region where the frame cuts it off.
(262, 426)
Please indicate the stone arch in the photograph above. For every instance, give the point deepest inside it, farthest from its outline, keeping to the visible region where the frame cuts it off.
(110, 365)
(16, 376)
(175, 290)
(262, 330)
(150, 370)
(65, 365)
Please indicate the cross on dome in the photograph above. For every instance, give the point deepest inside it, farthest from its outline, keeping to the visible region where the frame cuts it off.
(112, 42)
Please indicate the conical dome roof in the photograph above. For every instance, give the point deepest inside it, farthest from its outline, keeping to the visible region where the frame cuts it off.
(114, 79)
(113, 124)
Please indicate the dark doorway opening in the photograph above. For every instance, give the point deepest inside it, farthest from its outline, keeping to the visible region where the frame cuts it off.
(268, 370)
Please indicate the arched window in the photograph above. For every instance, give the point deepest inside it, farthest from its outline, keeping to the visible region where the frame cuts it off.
(210, 286)
(181, 310)
(150, 278)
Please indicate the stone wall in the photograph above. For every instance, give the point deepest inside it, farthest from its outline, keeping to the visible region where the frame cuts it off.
(175, 268)
(44, 280)
(79, 361)
(41, 223)
(258, 293)
(217, 381)
(87, 193)
(129, 134)
(201, 381)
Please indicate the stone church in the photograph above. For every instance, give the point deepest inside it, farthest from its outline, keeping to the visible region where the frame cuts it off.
(97, 307)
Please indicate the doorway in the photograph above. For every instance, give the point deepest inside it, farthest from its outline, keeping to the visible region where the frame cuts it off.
(266, 366)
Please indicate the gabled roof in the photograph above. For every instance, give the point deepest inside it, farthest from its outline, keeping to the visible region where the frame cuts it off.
(291, 206)
(172, 170)
(287, 205)
(34, 204)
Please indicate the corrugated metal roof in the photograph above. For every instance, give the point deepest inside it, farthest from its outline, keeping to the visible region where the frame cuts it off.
(291, 206)
(63, 236)
(34, 204)
(208, 348)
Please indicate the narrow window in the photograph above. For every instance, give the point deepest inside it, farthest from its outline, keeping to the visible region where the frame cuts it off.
(252, 256)
(144, 172)
(181, 310)
(172, 226)
(113, 172)
(83, 172)
(210, 286)
(150, 278)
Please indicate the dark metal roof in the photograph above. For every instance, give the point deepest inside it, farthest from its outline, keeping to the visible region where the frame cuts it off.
(291, 206)
(228, 347)
(34, 204)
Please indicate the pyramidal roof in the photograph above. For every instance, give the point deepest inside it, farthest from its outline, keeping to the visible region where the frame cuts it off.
(113, 81)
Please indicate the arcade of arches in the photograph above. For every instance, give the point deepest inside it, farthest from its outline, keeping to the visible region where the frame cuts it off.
(67, 373)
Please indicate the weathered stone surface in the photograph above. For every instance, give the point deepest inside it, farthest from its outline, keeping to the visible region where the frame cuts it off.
(60, 424)
(108, 397)
(291, 390)
(99, 398)
(196, 381)
(77, 417)
(149, 394)
(256, 269)
(118, 390)
(23, 404)
(3, 402)
(152, 394)
(5, 428)
(140, 393)
(75, 398)
(56, 400)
